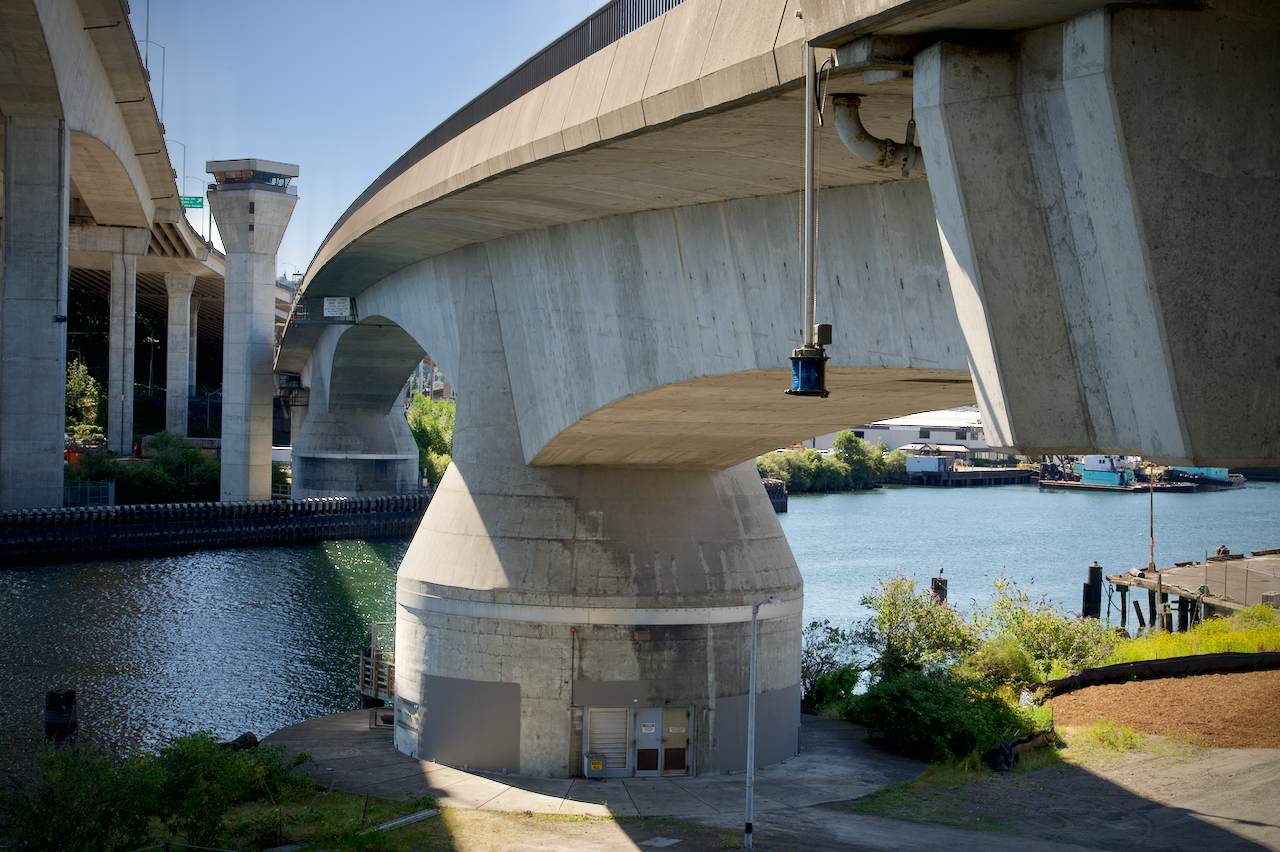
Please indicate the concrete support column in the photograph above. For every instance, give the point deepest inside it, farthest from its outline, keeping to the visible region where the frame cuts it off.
(1103, 262)
(193, 326)
(177, 364)
(252, 218)
(530, 594)
(124, 273)
(33, 293)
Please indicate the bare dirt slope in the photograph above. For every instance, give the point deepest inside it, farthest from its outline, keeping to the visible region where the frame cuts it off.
(1222, 710)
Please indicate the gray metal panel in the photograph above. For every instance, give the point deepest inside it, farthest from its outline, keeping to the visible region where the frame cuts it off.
(470, 723)
(610, 693)
(777, 728)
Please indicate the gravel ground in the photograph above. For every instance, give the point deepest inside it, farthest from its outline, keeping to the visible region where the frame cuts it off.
(1219, 711)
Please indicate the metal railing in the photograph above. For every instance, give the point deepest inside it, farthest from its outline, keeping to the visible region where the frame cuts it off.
(81, 492)
(606, 25)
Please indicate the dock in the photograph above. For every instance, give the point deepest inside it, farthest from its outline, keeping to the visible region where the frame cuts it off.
(1219, 585)
(974, 477)
(119, 532)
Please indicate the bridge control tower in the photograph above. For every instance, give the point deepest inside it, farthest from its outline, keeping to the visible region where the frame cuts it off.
(252, 202)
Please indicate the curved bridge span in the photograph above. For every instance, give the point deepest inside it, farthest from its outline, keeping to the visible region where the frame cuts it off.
(606, 269)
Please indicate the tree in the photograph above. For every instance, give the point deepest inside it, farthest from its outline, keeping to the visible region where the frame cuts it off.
(83, 391)
(431, 423)
(866, 463)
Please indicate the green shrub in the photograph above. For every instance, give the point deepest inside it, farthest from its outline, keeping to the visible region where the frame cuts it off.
(200, 781)
(909, 630)
(1053, 641)
(936, 715)
(1002, 660)
(431, 423)
(176, 473)
(824, 651)
(805, 470)
(835, 688)
(81, 795)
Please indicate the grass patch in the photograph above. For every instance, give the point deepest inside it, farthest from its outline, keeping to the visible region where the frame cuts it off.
(331, 818)
(959, 795)
(1104, 742)
(1249, 631)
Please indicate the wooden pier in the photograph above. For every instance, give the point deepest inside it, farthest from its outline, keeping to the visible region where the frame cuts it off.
(1217, 586)
(108, 532)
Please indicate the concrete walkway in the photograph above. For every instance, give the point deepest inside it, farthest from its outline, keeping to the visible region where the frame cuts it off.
(835, 764)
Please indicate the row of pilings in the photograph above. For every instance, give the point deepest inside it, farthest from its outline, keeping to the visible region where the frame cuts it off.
(98, 532)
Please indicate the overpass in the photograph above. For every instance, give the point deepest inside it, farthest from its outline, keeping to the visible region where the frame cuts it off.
(601, 254)
(89, 200)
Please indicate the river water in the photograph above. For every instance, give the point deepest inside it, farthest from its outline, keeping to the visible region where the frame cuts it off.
(253, 640)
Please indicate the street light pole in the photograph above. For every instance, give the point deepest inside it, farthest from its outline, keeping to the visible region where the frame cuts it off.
(751, 724)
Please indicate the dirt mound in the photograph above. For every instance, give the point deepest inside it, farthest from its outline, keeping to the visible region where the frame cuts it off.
(1219, 710)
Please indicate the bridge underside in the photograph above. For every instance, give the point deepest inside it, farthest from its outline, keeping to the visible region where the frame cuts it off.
(714, 422)
(1081, 249)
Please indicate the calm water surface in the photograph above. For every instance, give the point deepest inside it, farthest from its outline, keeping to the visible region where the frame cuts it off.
(253, 640)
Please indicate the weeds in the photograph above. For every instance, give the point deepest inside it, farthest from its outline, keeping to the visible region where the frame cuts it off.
(1251, 630)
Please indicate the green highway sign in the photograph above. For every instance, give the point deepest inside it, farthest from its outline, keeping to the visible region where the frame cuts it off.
(191, 202)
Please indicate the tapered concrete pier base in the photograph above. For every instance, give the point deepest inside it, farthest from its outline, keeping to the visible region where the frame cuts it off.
(531, 597)
(538, 602)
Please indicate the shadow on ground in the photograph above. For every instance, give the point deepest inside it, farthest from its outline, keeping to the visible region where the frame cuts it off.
(1218, 799)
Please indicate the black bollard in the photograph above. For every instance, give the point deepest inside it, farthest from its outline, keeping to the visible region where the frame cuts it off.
(60, 714)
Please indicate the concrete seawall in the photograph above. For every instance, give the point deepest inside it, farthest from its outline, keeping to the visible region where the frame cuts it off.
(98, 532)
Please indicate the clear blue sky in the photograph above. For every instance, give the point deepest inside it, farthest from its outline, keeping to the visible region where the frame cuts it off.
(340, 89)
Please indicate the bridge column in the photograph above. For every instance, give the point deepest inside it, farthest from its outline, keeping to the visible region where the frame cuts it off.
(531, 594)
(177, 363)
(353, 454)
(252, 205)
(193, 325)
(1102, 254)
(33, 278)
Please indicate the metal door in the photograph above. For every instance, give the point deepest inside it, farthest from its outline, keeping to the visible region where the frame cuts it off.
(647, 732)
(675, 740)
(607, 735)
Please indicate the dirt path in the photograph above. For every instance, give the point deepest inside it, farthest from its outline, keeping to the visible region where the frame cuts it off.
(1221, 710)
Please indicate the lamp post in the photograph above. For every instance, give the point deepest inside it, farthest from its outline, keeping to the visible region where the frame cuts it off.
(163, 61)
(751, 724)
(200, 181)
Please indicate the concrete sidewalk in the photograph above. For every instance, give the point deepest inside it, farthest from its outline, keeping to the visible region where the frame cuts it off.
(835, 764)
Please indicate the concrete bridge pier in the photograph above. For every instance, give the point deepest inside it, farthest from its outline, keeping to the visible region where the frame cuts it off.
(252, 204)
(536, 599)
(1103, 191)
(181, 340)
(33, 284)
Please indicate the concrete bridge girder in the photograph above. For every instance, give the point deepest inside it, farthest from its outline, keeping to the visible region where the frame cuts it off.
(662, 338)
(1106, 260)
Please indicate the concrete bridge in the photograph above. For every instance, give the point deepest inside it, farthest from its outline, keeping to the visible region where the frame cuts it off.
(89, 199)
(603, 259)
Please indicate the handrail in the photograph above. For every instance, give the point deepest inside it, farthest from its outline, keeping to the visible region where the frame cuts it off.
(602, 28)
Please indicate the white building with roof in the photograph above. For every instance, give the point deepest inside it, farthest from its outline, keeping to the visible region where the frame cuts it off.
(948, 430)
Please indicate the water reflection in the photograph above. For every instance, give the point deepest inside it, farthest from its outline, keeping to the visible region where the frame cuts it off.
(224, 641)
(257, 639)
